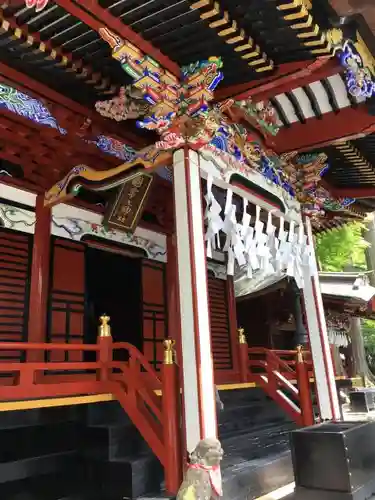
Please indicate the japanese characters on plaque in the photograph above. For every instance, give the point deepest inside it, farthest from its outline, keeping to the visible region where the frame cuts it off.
(127, 208)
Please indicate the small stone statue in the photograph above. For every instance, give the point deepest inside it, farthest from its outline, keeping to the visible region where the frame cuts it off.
(203, 478)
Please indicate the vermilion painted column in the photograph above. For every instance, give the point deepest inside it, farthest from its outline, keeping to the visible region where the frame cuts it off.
(303, 384)
(40, 269)
(197, 365)
(171, 420)
(319, 343)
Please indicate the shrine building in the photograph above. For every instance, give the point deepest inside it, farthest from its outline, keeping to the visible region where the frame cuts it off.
(165, 167)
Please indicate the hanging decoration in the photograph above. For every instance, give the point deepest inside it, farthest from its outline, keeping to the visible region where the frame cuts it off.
(338, 326)
(251, 245)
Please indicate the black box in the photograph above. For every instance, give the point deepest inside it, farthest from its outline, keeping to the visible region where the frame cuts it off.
(334, 461)
(362, 401)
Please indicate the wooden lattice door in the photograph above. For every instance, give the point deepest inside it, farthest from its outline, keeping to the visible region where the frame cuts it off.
(154, 310)
(67, 296)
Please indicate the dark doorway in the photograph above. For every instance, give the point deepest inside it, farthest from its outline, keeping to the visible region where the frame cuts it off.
(113, 287)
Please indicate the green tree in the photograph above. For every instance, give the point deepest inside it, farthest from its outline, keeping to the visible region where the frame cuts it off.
(342, 248)
(368, 332)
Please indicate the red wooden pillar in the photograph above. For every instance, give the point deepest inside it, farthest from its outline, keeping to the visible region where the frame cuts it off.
(105, 354)
(303, 384)
(171, 420)
(39, 277)
(232, 317)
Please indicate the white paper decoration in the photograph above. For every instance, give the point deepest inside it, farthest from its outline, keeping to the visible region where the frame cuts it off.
(261, 249)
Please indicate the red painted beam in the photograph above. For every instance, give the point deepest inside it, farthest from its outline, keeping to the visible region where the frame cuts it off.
(348, 123)
(49, 147)
(299, 79)
(65, 105)
(358, 193)
(92, 14)
(287, 77)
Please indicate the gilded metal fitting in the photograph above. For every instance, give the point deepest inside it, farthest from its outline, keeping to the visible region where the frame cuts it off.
(104, 329)
(169, 352)
(241, 336)
(299, 354)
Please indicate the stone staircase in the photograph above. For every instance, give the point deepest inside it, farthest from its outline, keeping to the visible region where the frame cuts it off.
(254, 432)
(88, 452)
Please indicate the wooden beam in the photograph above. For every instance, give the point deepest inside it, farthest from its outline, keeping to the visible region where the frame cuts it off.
(32, 43)
(351, 192)
(287, 77)
(36, 137)
(299, 79)
(70, 114)
(94, 16)
(24, 184)
(348, 124)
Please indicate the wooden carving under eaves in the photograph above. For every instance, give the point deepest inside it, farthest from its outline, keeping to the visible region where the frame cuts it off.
(125, 211)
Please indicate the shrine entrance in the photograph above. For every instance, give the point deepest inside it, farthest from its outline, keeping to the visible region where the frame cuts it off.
(113, 287)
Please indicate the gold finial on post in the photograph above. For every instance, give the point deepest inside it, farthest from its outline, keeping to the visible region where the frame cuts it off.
(169, 352)
(104, 328)
(241, 336)
(299, 354)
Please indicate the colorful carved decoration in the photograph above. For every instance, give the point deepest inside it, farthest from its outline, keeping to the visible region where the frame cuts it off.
(83, 176)
(28, 107)
(263, 113)
(168, 97)
(358, 62)
(180, 111)
(38, 5)
(359, 78)
(128, 104)
(304, 174)
(202, 480)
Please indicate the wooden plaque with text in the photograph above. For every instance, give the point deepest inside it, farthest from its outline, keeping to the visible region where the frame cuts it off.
(125, 211)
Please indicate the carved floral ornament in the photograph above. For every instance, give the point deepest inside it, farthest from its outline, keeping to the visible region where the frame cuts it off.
(251, 245)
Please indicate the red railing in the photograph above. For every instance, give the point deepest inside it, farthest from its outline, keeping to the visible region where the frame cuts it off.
(287, 360)
(284, 375)
(133, 382)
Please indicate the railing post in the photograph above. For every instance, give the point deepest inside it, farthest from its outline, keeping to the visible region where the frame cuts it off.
(105, 347)
(243, 355)
(303, 384)
(171, 420)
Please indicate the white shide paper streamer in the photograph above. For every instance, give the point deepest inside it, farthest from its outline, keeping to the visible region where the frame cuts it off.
(260, 249)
